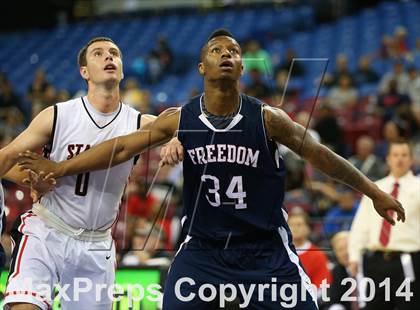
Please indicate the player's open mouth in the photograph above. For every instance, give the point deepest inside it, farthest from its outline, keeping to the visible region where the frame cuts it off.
(226, 64)
(110, 67)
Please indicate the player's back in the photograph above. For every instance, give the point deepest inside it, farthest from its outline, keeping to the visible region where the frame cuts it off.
(233, 177)
(90, 200)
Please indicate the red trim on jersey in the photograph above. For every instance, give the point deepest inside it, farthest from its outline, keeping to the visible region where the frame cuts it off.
(19, 257)
(36, 295)
(23, 218)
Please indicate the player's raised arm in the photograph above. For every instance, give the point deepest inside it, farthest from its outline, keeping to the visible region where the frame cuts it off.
(111, 152)
(32, 138)
(283, 130)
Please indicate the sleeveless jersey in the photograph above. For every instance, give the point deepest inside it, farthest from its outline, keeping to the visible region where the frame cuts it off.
(90, 200)
(233, 177)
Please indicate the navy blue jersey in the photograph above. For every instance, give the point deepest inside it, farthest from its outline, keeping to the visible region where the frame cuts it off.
(233, 177)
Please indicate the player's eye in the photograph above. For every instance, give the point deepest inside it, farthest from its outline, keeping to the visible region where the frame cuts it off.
(215, 50)
(115, 53)
(234, 51)
(97, 53)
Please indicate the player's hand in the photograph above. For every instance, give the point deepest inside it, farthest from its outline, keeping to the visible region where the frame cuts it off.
(384, 203)
(172, 153)
(32, 161)
(40, 184)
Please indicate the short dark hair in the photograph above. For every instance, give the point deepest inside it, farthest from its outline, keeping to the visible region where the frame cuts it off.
(399, 141)
(81, 57)
(217, 33)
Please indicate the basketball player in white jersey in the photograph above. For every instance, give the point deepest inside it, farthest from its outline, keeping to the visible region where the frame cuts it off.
(67, 235)
(38, 187)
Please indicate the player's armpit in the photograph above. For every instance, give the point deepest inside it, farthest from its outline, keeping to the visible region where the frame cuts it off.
(32, 138)
(117, 150)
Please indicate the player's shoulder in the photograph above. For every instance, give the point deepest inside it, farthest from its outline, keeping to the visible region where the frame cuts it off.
(251, 100)
(69, 103)
(130, 110)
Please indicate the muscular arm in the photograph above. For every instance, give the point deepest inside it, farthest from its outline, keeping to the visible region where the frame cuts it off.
(34, 137)
(121, 149)
(283, 130)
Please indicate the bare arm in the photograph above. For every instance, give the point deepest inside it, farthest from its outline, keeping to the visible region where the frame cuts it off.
(283, 130)
(111, 152)
(34, 137)
(17, 176)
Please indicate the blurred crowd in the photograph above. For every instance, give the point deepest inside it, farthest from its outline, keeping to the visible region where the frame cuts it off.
(357, 126)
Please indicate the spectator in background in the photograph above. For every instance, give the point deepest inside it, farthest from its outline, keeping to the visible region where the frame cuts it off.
(388, 49)
(344, 95)
(257, 88)
(63, 95)
(133, 95)
(399, 75)
(400, 37)
(414, 91)
(286, 65)
(282, 86)
(38, 87)
(312, 258)
(147, 248)
(392, 101)
(340, 216)
(256, 58)
(366, 161)
(165, 55)
(390, 132)
(329, 129)
(388, 252)
(339, 243)
(341, 68)
(9, 101)
(365, 73)
(139, 203)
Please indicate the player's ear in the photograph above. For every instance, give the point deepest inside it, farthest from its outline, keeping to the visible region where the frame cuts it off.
(201, 68)
(242, 69)
(84, 72)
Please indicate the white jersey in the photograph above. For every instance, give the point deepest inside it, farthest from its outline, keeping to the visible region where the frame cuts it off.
(90, 200)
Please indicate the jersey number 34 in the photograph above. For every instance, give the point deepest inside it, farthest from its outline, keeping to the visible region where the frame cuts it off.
(234, 191)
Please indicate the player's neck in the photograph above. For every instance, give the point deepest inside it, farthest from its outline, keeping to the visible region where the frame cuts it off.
(221, 100)
(104, 100)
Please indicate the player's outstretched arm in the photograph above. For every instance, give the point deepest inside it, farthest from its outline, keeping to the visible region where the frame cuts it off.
(111, 152)
(32, 138)
(283, 130)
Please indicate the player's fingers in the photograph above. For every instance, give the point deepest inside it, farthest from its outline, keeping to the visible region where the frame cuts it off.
(162, 152)
(389, 218)
(174, 156)
(180, 151)
(26, 181)
(400, 212)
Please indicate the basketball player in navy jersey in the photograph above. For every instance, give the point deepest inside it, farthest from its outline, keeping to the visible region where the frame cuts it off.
(235, 228)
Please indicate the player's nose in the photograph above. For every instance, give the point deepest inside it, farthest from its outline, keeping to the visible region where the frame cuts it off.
(226, 53)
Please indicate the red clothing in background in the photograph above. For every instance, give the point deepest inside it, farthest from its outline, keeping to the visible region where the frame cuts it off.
(315, 263)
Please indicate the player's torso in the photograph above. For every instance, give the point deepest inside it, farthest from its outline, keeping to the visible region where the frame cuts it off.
(89, 200)
(233, 181)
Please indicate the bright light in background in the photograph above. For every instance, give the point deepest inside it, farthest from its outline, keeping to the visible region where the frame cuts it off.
(19, 195)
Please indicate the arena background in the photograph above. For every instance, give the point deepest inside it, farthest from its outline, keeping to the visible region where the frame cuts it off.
(366, 53)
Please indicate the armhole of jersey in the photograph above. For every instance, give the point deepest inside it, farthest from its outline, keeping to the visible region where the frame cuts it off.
(49, 146)
(136, 158)
(270, 151)
(179, 123)
(263, 127)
